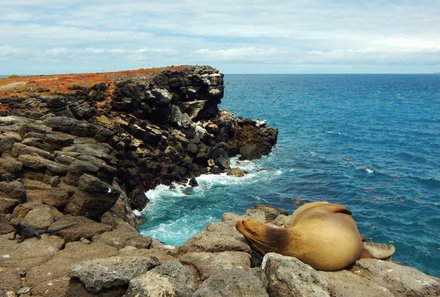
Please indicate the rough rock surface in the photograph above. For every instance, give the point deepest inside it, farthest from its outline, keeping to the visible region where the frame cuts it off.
(235, 282)
(98, 274)
(81, 150)
(216, 237)
(208, 264)
(78, 152)
(170, 279)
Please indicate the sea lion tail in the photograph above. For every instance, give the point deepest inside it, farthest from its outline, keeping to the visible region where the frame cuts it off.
(377, 250)
(263, 238)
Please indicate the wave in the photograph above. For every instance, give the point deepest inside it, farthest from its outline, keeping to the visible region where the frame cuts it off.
(179, 211)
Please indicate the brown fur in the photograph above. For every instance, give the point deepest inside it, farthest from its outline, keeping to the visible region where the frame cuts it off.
(321, 234)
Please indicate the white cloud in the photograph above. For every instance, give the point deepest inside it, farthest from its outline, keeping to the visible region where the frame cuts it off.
(223, 33)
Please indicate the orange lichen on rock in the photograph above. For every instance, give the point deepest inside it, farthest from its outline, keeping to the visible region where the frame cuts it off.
(69, 83)
(3, 108)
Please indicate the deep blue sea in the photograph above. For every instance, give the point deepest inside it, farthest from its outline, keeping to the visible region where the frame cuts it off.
(371, 142)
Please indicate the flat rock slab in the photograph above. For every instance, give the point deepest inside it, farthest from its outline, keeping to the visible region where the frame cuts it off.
(111, 272)
(171, 279)
(289, 277)
(41, 217)
(60, 264)
(83, 228)
(26, 254)
(123, 235)
(208, 264)
(217, 237)
(234, 282)
(10, 281)
(400, 280)
(346, 284)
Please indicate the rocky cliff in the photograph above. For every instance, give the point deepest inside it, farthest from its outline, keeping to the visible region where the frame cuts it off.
(77, 153)
(81, 150)
(118, 132)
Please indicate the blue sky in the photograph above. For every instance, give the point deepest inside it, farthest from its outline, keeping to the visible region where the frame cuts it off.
(236, 36)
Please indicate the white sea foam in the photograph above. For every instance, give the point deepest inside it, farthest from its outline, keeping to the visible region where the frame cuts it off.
(161, 191)
(179, 211)
(254, 173)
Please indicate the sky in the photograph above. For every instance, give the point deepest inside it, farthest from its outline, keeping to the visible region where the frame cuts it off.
(235, 36)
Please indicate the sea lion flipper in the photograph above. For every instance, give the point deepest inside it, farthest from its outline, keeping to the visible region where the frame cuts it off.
(377, 250)
(264, 238)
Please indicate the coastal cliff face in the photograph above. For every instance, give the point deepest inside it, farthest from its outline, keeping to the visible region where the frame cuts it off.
(79, 151)
(83, 149)
(127, 130)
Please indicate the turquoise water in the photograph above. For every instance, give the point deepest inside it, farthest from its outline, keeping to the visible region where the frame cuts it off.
(371, 142)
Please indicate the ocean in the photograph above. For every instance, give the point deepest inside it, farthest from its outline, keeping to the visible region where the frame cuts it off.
(370, 142)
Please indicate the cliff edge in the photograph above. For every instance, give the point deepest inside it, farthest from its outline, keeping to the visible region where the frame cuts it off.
(77, 154)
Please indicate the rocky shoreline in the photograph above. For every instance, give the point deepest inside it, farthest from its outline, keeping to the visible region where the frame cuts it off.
(79, 151)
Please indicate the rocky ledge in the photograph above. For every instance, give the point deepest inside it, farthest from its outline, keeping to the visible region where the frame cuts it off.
(81, 150)
(78, 152)
(216, 262)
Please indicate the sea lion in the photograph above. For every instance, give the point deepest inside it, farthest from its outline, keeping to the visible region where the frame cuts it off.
(321, 234)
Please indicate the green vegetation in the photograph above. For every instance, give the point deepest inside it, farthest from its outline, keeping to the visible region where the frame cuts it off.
(13, 76)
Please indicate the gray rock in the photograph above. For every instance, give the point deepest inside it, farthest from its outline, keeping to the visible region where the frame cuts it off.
(60, 264)
(103, 273)
(37, 127)
(7, 204)
(271, 212)
(254, 214)
(192, 148)
(36, 142)
(10, 165)
(24, 290)
(282, 221)
(38, 162)
(83, 228)
(250, 152)
(194, 109)
(234, 282)
(97, 150)
(162, 94)
(76, 169)
(289, 276)
(54, 181)
(14, 190)
(58, 140)
(93, 198)
(41, 217)
(92, 184)
(223, 162)
(171, 279)
(400, 280)
(31, 252)
(6, 143)
(10, 281)
(71, 126)
(123, 235)
(22, 149)
(208, 264)
(236, 172)
(21, 210)
(346, 284)
(217, 237)
(57, 197)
